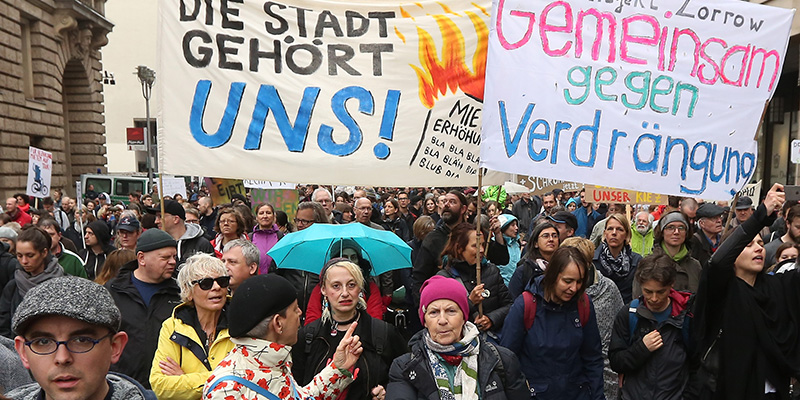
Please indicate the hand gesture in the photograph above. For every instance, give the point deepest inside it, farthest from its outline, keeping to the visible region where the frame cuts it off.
(775, 198)
(476, 296)
(349, 349)
(378, 393)
(653, 341)
(483, 323)
(170, 367)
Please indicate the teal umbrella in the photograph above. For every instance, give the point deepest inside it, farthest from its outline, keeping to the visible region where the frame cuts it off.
(309, 249)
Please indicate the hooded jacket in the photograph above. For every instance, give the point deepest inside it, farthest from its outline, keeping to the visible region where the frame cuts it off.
(13, 294)
(607, 302)
(642, 244)
(659, 375)
(93, 263)
(121, 387)
(264, 239)
(689, 271)
(142, 322)
(560, 358)
(179, 340)
(191, 243)
(499, 378)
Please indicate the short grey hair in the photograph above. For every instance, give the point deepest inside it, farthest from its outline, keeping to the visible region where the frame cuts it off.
(321, 189)
(198, 266)
(250, 252)
(261, 329)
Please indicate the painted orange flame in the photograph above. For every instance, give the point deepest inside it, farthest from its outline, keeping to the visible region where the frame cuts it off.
(451, 72)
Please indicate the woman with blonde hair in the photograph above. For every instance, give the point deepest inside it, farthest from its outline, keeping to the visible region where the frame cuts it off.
(195, 339)
(341, 284)
(614, 257)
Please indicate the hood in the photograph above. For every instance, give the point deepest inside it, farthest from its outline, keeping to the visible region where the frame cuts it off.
(571, 200)
(101, 231)
(535, 286)
(679, 301)
(192, 231)
(273, 229)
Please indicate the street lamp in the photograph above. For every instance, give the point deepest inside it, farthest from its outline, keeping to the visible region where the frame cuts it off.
(147, 77)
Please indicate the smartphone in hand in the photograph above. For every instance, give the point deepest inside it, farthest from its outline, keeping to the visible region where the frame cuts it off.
(792, 193)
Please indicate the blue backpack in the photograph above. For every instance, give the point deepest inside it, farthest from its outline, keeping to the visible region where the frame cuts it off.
(633, 319)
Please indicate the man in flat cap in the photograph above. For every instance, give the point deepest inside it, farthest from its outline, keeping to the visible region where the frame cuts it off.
(68, 336)
(146, 294)
(263, 321)
(706, 240)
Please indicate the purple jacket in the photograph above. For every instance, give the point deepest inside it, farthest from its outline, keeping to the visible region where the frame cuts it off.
(264, 239)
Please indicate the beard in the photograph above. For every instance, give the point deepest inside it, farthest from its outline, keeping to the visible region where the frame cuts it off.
(643, 230)
(449, 216)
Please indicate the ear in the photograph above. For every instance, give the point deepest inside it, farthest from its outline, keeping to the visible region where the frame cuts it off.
(19, 344)
(253, 269)
(118, 342)
(140, 258)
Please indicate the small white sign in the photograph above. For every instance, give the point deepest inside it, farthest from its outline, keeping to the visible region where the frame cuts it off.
(40, 169)
(174, 185)
(78, 192)
(753, 191)
(251, 184)
(795, 151)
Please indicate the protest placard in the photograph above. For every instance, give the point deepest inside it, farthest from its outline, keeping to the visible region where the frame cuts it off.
(40, 170)
(251, 184)
(345, 92)
(174, 185)
(221, 190)
(285, 200)
(753, 191)
(540, 186)
(602, 194)
(659, 96)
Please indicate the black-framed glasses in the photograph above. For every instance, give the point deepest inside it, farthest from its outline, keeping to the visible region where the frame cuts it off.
(208, 283)
(78, 344)
(299, 221)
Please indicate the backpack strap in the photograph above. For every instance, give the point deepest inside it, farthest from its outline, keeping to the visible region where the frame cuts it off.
(584, 309)
(633, 319)
(530, 309)
(246, 383)
(312, 330)
(501, 369)
(380, 334)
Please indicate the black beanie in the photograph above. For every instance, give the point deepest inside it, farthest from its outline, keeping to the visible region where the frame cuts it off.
(101, 231)
(256, 299)
(154, 239)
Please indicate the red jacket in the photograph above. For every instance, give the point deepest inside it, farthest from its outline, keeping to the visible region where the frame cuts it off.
(22, 218)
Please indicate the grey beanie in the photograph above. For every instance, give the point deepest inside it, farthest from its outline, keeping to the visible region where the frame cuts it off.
(8, 233)
(154, 239)
(72, 297)
(675, 216)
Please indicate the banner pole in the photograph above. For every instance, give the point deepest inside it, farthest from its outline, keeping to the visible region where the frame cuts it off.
(730, 215)
(478, 236)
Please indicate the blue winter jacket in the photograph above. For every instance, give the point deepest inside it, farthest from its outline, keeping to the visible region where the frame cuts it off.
(560, 358)
(585, 221)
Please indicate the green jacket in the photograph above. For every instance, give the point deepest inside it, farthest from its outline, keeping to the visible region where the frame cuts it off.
(642, 245)
(71, 263)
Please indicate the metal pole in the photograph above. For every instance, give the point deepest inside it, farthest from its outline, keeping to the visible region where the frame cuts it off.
(478, 235)
(147, 77)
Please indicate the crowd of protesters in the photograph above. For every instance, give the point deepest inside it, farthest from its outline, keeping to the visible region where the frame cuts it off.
(508, 296)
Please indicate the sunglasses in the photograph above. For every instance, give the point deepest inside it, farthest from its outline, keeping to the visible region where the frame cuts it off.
(208, 283)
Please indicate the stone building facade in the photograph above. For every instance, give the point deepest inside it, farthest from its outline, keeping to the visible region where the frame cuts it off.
(51, 91)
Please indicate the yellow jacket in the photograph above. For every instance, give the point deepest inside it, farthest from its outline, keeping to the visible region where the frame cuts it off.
(176, 340)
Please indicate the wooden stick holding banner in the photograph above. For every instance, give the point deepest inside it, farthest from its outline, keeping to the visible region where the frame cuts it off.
(730, 214)
(478, 235)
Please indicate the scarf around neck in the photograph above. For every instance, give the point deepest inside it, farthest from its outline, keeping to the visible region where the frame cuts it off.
(683, 252)
(26, 281)
(465, 379)
(619, 266)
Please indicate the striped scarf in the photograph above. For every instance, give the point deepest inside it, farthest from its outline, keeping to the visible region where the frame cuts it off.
(465, 379)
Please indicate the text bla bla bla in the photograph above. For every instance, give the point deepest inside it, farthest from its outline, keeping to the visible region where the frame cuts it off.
(453, 149)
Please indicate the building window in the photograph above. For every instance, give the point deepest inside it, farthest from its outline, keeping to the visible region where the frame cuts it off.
(27, 58)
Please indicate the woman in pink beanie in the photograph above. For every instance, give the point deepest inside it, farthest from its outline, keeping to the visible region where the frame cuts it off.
(450, 357)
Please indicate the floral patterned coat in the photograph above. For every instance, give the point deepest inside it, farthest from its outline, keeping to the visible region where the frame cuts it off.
(269, 365)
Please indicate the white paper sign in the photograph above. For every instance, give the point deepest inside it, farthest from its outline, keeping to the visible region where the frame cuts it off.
(753, 191)
(174, 185)
(40, 170)
(250, 184)
(795, 150)
(658, 96)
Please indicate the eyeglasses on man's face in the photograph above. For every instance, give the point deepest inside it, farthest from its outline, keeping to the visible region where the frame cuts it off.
(78, 344)
(300, 221)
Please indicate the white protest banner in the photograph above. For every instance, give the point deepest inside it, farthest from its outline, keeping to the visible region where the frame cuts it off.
(659, 96)
(174, 185)
(333, 92)
(753, 191)
(251, 184)
(40, 170)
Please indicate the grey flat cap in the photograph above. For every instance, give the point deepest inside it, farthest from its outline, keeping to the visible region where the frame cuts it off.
(71, 297)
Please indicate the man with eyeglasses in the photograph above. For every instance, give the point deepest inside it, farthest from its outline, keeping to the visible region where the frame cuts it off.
(308, 213)
(671, 238)
(706, 241)
(146, 294)
(405, 212)
(363, 210)
(68, 335)
(324, 198)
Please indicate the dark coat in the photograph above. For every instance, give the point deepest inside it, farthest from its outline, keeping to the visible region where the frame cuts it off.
(662, 374)
(9, 301)
(8, 264)
(411, 377)
(700, 248)
(560, 358)
(759, 339)
(498, 303)
(142, 323)
(399, 226)
(429, 256)
(624, 283)
(527, 269)
(309, 360)
(303, 282)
